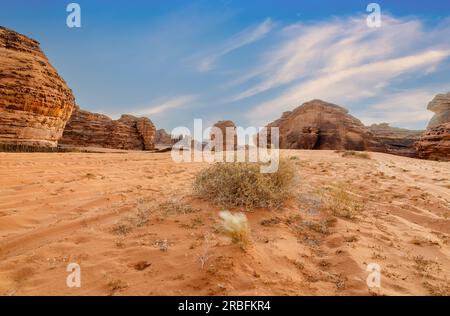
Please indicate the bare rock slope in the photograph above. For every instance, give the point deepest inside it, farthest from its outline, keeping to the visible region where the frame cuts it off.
(35, 102)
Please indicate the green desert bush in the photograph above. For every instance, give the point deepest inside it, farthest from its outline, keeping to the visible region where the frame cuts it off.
(242, 184)
(236, 226)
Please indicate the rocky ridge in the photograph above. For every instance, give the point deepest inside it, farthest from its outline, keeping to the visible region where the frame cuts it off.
(86, 129)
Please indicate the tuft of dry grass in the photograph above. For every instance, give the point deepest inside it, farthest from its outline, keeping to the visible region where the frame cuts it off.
(356, 154)
(342, 203)
(426, 267)
(242, 184)
(174, 207)
(121, 229)
(438, 289)
(236, 226)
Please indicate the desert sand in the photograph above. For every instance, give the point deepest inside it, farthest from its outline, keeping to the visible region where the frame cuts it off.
(132, 223)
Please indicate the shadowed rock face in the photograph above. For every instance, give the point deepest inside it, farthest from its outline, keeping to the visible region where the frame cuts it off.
(86, 129)
(229, 134)
(440, 105)
(35, 102)
(398, 141)
(321, 125)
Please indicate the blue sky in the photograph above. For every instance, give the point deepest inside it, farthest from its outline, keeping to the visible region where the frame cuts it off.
(246, 60)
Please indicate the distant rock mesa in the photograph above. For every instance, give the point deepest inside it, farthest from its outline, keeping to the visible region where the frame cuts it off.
(35, 102)
(398, 141)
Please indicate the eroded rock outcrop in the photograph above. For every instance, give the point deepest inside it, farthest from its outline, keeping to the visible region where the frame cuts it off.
(228, 135)
(163, 138)
(321, 125)
(435, 143)
(35, 102)
(86, 129)
(398, 141)
(440, 105)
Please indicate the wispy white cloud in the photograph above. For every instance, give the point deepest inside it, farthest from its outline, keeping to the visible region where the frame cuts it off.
(243, 38)
(402, 108)
(342, 61)
(350, 84)
(166, 105)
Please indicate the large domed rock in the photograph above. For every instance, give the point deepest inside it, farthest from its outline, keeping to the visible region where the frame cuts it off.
(35, 102)
(86, 129)
(440, 105)
(228, 137)
(321, 125)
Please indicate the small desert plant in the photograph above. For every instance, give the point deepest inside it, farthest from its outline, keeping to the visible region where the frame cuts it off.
(242, 184)
(163, 244)
(204, 256)
(341, 202)
(356, 154)
(141, 218)
(121, 229)
(175, 207)
(236, 226)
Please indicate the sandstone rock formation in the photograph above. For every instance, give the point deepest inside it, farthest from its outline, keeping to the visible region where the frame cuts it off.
(163, 138)
(435, 143)
(228, 135)
(35, 102)
(398, 141)
(322, 125)
(86, 129)
(440, 105)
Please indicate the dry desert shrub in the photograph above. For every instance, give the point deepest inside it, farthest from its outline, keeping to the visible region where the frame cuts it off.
(356, 154)
(236, 226)
(121, 229)
(175, 207)
(242, 184)
(342, 203)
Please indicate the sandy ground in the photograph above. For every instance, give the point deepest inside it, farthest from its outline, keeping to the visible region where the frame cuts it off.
(106, 212)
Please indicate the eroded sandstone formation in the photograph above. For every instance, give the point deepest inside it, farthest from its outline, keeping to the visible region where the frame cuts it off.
(435, 143)
(398, 141)
(440, 105)
(35, 102)
(228, 135)
(163, 138)
(86, 129)
(321, 125)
